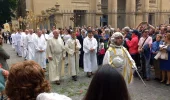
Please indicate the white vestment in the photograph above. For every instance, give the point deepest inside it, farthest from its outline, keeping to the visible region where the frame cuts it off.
(40, 57)
(56, 50)
(90, 58)
(66, 37)
(120, 58)
(30, 42)
(23, 36)
(13, 39)
(18, 41)
(52, 96)
(72, 50)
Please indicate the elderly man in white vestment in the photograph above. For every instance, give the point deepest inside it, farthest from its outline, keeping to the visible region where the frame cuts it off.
(30, 43)
(90, 50)
(56, 56)
(118, 56)
(40, 49)
(72, 47)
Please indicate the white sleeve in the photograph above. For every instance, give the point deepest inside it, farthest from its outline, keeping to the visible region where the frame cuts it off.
(95, 46)
(130, 58)
(106, 58)
(69, 51)
(78, 44)
(86, 48)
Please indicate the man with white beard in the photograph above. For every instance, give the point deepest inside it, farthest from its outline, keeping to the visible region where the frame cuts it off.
(56, 56)
(40, 48)
(30, 43)
(72, 47)
(90, 50)
(18, 43)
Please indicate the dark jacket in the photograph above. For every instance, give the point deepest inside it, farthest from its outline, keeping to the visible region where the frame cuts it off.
(3, 57)
(80, 38)
(129, 37)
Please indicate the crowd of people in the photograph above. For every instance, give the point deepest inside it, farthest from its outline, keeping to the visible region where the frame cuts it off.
(85, 47)
(140, 48)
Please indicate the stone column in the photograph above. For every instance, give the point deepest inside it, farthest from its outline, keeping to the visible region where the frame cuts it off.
(28, 4)
(112, 10)
(98, 13)
(145, 10)
(133, 16)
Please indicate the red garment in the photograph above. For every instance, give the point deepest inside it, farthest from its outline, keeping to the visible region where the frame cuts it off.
(77, 33)
(133, 44)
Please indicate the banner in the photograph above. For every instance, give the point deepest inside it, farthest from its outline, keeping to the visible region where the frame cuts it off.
(6, 27)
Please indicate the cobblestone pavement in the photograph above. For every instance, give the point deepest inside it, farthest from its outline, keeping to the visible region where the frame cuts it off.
(76, 90)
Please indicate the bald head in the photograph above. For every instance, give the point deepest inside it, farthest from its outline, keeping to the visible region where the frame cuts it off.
(56, 33)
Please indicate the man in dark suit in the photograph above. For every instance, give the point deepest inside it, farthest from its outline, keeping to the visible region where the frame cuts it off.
(81, 38)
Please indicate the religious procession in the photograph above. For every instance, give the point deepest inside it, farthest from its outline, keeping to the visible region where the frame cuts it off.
(131, 52)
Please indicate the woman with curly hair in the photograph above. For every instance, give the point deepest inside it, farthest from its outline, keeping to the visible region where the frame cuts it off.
(26, 81)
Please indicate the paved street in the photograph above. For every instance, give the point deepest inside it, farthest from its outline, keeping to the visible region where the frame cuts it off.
(76, 90)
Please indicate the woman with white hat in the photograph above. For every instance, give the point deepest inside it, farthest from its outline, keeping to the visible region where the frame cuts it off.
(118, 56)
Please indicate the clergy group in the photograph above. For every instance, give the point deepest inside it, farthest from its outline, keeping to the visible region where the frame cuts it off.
(58, 51)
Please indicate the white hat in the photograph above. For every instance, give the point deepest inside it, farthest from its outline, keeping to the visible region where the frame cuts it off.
(116, 34)
(52, 96)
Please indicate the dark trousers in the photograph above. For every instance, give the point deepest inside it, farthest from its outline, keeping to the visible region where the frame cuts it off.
(136, 58)
(81, 60)
(100, 59)
(5, 39)
(10, 40)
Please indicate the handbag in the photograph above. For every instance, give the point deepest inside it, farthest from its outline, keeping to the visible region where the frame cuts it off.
(102, 51)
(162, 54)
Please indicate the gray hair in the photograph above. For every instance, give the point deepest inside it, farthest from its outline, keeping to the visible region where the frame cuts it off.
(127, 29)
(83, 30)
(107, 30)
(56, 30)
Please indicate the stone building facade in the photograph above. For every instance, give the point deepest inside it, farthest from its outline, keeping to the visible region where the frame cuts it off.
(117, 13)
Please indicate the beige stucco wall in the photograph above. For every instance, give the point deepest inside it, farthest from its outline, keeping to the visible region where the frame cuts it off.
(131, 20)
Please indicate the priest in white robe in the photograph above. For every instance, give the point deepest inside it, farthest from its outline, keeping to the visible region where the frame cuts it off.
(90, 51)
(15, 42)
(18, 43)
(72, 47)
(25, 45)
(118, 56)
(40, 50)
(13, 39)
(30, 42)
(23, 35)
(56, 56)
